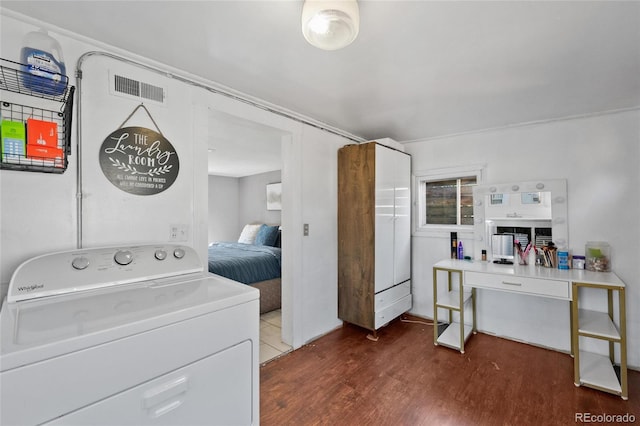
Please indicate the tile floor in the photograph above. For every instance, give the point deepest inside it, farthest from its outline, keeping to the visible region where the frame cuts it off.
(271, 345)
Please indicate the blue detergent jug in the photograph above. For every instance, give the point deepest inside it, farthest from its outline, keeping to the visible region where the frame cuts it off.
(41, 56)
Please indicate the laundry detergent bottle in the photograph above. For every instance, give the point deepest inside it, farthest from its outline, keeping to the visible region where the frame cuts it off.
(43, 66)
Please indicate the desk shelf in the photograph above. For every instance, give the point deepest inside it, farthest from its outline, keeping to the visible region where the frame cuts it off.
(450, 337)
(597, 325)
(595, 370)
(451, 300)
(455, 299)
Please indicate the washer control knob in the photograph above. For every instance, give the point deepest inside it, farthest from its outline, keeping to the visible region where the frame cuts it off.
(123, 257)
(160, 254)
(80, 263)
(178, 253)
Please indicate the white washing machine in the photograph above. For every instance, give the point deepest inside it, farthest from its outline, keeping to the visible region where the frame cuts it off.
(128, 336)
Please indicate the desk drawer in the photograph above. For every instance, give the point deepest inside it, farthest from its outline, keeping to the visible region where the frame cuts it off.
(533, 286)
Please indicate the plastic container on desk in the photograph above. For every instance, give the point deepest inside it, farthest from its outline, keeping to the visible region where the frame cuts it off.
(597, 256)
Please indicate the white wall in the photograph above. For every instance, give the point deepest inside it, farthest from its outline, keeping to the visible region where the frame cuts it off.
(599, 157)
(320, 211)
(234, 202)
(253, 200)
(39, 210)
(111, 215)
(224, 202)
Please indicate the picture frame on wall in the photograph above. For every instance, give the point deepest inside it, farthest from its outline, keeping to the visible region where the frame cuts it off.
(274, 196)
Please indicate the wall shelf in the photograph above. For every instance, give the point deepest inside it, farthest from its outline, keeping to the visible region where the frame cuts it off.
(39, 101)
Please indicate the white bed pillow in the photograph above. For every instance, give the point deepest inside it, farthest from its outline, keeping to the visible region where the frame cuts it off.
(249, 232)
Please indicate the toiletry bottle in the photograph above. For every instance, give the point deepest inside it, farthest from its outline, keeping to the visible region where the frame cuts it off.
(454, 245)
(460, 250)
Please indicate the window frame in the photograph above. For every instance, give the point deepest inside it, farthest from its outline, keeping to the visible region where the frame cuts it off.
(420, 227)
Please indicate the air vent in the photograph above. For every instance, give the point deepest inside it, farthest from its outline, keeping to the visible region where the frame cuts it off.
(126, 85)
(149, 91)
(139, 89)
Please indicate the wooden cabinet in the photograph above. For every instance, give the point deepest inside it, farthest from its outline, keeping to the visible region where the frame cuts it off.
(374, 234)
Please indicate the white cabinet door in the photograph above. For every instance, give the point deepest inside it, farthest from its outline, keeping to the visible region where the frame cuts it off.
(402, 228)
(384, 205)
(393, 218)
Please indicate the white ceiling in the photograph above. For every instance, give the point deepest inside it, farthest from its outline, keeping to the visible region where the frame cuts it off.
(418, 69)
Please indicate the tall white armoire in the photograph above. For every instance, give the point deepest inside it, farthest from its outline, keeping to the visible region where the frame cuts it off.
(374, 234)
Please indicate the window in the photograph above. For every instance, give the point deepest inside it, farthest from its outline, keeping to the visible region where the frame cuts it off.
(445, 199)
(450, 201)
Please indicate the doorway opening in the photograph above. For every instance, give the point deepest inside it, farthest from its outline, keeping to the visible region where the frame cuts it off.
(245, 162)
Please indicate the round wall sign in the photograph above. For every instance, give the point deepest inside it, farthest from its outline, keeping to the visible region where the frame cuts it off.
(139, 161)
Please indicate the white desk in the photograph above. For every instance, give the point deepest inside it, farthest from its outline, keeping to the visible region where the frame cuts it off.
(595, 371)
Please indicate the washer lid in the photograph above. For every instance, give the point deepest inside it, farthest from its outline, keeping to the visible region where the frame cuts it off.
(38, 329)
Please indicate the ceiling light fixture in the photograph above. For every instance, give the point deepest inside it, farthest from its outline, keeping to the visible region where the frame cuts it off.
(330, 25)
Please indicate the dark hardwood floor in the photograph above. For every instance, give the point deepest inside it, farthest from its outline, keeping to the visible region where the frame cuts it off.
(403, 379)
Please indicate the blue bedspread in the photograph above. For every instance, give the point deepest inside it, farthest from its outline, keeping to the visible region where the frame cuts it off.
(246, 263)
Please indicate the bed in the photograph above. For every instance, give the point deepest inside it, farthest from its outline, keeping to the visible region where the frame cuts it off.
(255, 260)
